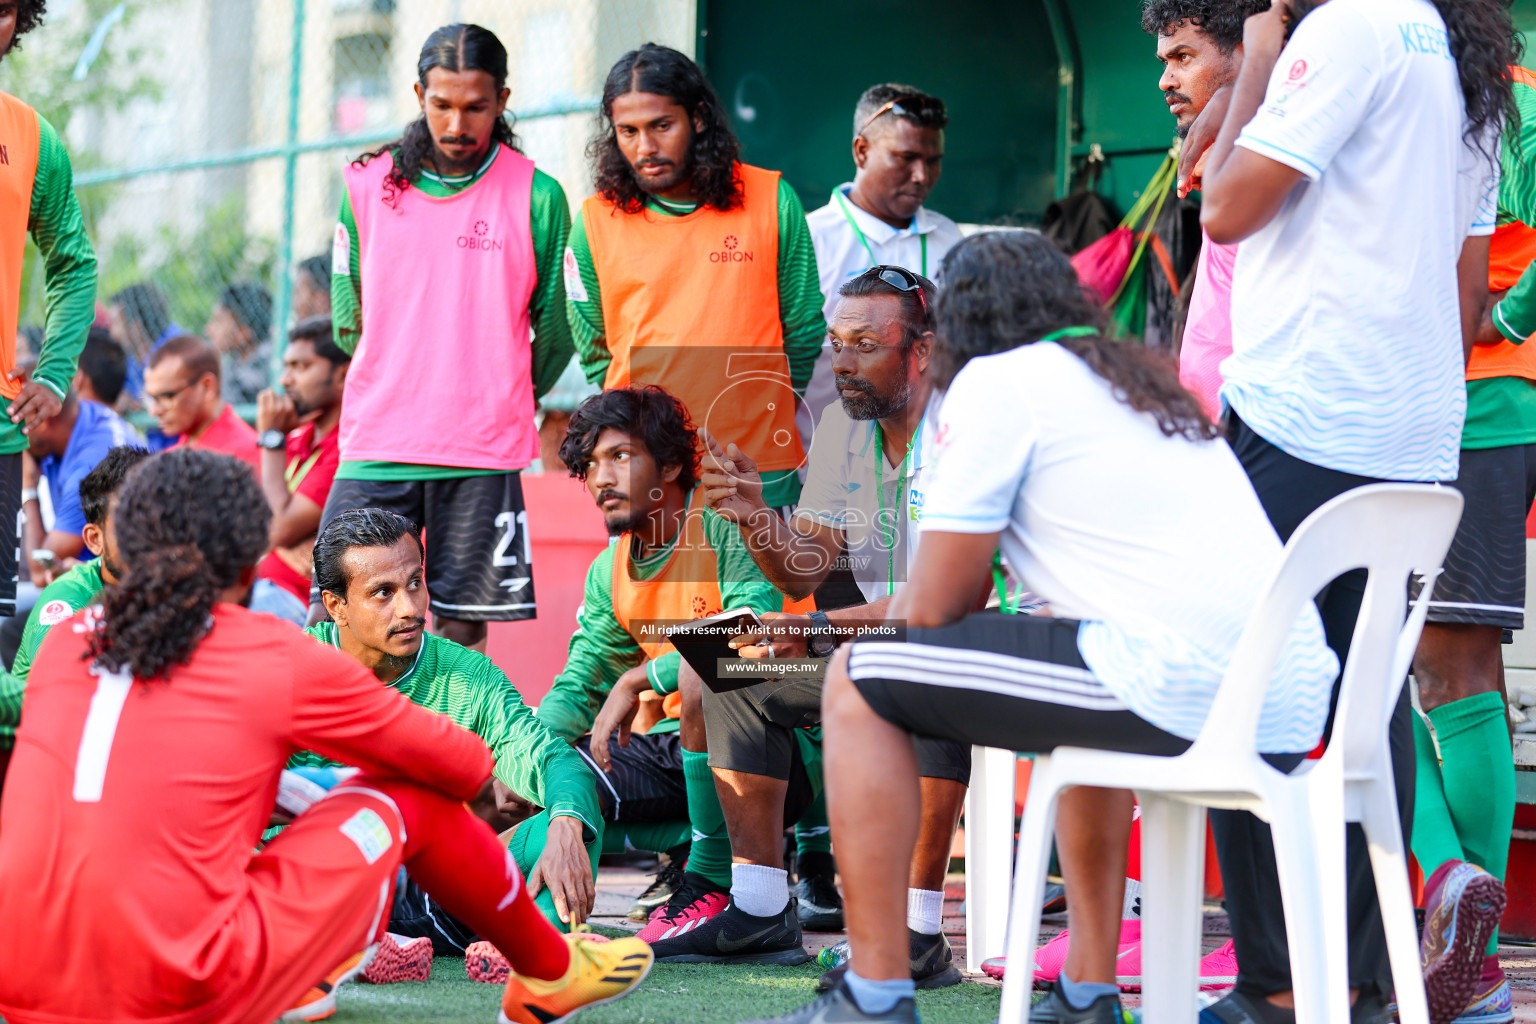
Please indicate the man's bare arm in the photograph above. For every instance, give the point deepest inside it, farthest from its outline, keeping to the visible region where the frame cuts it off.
(1472, 285)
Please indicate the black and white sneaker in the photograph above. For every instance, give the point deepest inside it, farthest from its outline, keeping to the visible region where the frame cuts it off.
(821, 906)
(838, 1007)
(1054, 1009)
(933, 964)
(668, 877)
(736, 937)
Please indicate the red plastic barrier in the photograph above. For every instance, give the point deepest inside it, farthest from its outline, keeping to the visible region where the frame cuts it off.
(567, 532)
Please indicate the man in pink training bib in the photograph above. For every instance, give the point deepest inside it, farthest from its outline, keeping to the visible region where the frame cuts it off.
(446, 289)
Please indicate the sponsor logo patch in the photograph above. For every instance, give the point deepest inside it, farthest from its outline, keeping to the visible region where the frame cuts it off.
(55, 612)
(368, 831)
(341, 251)
(574, 289)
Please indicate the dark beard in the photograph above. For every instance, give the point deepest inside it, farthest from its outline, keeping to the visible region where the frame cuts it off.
(679, 175)
(869, 406)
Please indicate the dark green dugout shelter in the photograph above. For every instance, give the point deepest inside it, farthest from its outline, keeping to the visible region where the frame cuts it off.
(1031, 85)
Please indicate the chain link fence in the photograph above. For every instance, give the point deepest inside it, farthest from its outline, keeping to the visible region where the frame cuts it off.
(208, 137)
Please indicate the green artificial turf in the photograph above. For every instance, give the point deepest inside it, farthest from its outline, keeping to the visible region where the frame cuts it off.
(672, 994)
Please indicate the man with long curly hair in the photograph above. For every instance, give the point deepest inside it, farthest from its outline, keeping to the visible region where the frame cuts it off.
(446, 291)
(694, 271)
(37, 198)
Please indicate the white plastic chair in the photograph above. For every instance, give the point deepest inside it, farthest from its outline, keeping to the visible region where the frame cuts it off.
(1390, 530)
(988, 852)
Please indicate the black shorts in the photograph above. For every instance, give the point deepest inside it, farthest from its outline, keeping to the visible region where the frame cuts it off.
(1483, 582)
(479, 556)
(646, 783)
(751, 730)
(1010, 681)
(10, 512)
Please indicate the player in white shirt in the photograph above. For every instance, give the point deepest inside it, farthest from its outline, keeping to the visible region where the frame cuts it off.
(1358, 167)
(1084, 461)
(879, 217)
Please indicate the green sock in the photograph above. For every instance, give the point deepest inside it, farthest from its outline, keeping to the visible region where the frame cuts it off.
(1434, 834)
(527, 846)
(1478, 777)
(813, 834)
(655, 836)
(711, 853)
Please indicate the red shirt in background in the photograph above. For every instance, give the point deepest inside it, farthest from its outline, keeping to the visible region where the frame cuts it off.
(310, 470)
(129, 835)
(230, 434)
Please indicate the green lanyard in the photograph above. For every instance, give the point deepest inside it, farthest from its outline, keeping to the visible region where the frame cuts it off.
(297, 470)
(888, 535)
(922, 240)
(998, 579)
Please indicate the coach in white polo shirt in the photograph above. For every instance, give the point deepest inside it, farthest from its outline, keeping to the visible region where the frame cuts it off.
(866, 483)
(898, 150)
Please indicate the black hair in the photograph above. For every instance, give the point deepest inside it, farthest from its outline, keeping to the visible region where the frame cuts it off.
(922, 110)
(1219, 20)
(713, 152)
(145, 304)
(357, 528)
(1006, 289)
(1484, 43)
(251, 304)
(649, 415)
(317, 330)
(456, 47)
(105, 364)
(101, 483)
(318, 270)
(180, 554)
(917, 317)
(29, 15)
(197, 355)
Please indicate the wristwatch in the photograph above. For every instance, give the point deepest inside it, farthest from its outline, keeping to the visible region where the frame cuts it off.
(822, 640)
(272, 440)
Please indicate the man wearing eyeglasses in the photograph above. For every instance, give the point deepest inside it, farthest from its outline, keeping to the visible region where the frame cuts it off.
(879, 217)
(864, 490)
(181, 389)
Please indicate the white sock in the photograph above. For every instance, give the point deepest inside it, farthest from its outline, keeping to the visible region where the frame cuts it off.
(758, 890)
(1131, 909)
(925, 911)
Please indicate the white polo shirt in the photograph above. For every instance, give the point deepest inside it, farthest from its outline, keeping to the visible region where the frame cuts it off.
(848, 241)
(851, 485)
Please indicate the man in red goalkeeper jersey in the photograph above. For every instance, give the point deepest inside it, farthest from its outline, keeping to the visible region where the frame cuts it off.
(155, 726)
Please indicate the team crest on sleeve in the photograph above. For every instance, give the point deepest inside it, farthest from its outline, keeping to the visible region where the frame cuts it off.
(574, 289)
(54, 612)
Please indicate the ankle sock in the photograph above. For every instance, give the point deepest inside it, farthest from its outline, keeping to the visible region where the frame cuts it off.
(1130, 910)
(1478, 777)
(1081, 994)
(711, 853)
(758, 890)
(876, 997)
(925, 911)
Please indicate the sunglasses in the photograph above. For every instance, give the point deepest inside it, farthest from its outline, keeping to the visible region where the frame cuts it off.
(902, 279)
(919, 107)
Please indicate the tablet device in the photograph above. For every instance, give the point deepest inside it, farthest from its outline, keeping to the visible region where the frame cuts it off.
(703, 642)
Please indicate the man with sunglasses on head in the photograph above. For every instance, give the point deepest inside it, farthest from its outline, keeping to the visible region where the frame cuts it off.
(864, 490)
(879, 217)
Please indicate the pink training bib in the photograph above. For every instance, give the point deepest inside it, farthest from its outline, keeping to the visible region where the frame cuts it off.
(443, 372)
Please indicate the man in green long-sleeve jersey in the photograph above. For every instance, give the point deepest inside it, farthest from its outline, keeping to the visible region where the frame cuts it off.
(446, 290)
(369, 566)
(693, 271)
(37, 198)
